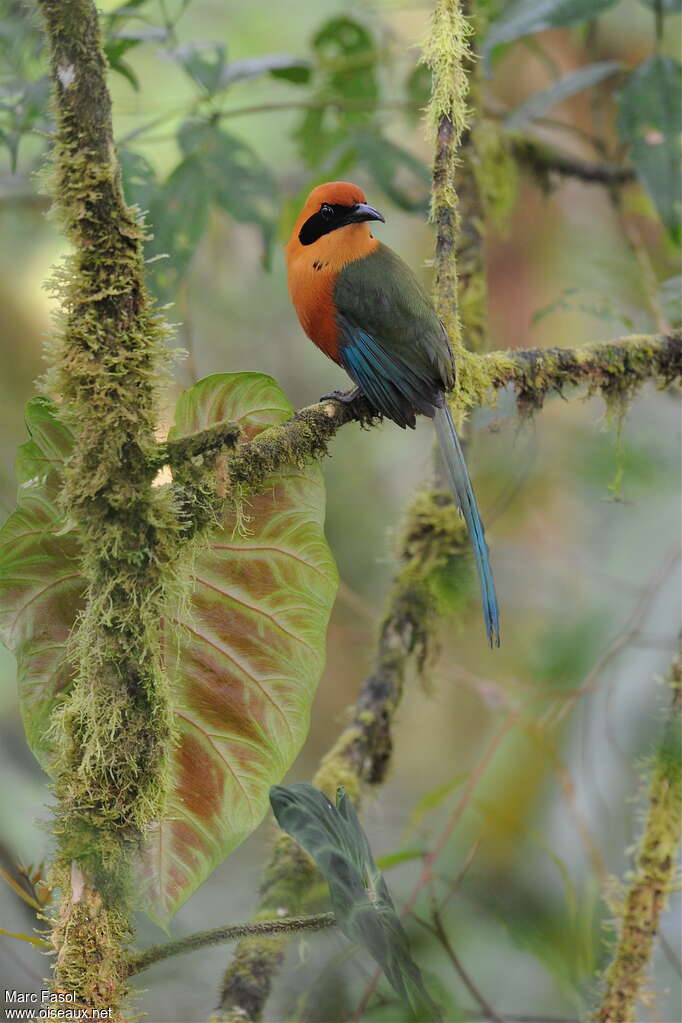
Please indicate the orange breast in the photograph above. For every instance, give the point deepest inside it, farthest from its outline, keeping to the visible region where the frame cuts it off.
(313, 270)
(311, 290)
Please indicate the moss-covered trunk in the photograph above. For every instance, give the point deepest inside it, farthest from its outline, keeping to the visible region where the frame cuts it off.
(112, 731)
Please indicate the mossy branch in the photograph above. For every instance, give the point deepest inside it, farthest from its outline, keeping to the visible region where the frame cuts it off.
(616, 369)
(205, 443)
(221, 935)
(653, 875)
(543, 161)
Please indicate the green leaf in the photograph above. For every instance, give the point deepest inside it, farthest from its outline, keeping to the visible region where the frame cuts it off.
(346, 56)
(246, 653)
(139, 178)
(568, 85)
(114, 49)
(178, 213)
(392, 167)
(234, 175)
(419, 84)
(433, 799)
(649, 115)
(360, 898)
(390, 860)
(41, 589)
(297, 74)
(204, 62)
(279, 65)
(526, 17)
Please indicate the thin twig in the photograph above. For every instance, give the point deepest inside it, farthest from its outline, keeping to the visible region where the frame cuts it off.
(438, 928)
(543, 160)
(231, 932)
(442, 840)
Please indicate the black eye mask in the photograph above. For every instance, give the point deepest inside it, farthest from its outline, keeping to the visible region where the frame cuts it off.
(331, 216)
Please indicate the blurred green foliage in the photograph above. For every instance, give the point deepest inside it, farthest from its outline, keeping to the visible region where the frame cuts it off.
(225, 118)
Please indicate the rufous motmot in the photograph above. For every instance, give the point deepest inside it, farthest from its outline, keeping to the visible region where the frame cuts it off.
(364, 308)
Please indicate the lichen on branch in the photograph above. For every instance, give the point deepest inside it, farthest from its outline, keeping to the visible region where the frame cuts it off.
(615, 369)
(112, 731)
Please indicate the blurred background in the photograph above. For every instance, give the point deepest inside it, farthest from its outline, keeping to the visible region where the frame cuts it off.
(582, 515)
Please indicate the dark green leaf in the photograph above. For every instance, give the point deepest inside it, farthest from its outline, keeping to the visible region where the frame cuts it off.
(297, 74)
(278, 64)
(204, 62)
(235, 176)
(418, 85)
(114, 49)
(122, 67)
(526, 17)
(568, 85)
(669, 6)
(178, 214)
(360, 898)
(649, 115)
(139, 178)
(348, 88)
(400, 174)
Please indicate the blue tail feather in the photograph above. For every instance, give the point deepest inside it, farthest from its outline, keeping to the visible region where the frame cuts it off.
(460, 483)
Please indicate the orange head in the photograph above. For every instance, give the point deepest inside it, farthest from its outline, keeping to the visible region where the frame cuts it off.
(331, 231)
(329, 208)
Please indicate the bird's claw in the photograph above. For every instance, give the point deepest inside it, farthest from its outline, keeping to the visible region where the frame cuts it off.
(345, 397)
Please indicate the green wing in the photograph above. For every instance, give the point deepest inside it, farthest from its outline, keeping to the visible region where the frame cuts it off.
(392, 343)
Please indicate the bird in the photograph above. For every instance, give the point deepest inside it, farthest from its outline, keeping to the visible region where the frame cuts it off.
(362, 305)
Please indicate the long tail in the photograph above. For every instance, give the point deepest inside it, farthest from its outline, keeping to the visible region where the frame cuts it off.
(460, 483)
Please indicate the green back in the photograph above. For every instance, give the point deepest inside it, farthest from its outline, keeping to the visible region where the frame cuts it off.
(382, 296)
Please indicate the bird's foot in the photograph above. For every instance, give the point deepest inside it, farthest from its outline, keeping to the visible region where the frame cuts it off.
(345, 397)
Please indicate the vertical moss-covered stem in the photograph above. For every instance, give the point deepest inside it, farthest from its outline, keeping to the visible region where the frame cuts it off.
(448, 55)
(653, 875)
(112, 732)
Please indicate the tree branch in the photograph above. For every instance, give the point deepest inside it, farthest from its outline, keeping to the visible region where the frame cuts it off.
(655, 865)
(543, 161)
(231, 932)
(614, 368)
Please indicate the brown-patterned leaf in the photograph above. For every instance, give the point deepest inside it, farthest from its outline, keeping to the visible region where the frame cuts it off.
(252, 651)
(251, 643)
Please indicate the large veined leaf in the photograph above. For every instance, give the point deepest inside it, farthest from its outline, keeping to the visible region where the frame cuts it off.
(360, 898)
(40, 584)
(650, 109)
(245, 657)
(252, 651)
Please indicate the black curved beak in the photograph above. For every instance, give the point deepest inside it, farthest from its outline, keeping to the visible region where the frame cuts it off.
(361, 212)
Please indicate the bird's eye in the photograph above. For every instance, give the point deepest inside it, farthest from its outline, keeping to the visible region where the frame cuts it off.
(327, 211)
